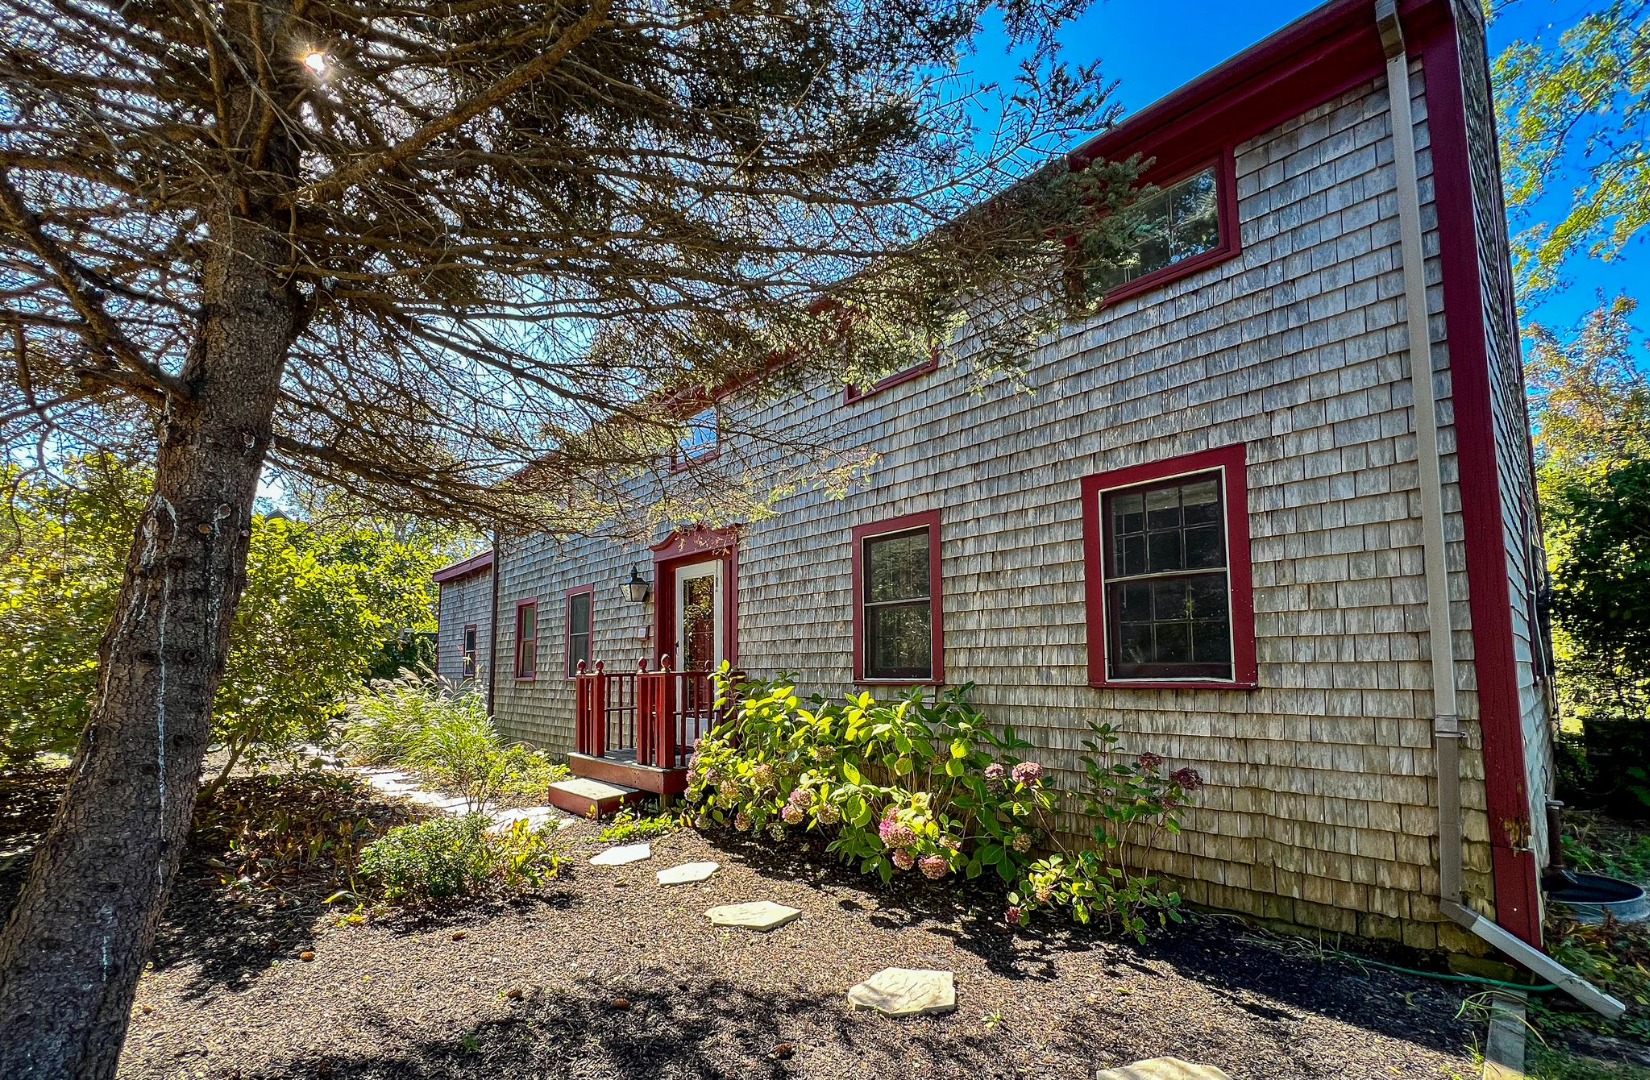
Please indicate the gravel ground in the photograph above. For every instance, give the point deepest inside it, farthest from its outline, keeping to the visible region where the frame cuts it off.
(610, 975)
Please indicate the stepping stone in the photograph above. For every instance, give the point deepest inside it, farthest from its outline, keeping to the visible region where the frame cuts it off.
(906, 992)
(761, 915)
(687, 873)
(619, 856)
(1163, 1068)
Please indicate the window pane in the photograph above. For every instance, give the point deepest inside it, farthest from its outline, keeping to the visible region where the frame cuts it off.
(1161, 229)
(578, 613)
(530, 621)
(1174, 643)
(1164, 552)
(899, 642)
(1200, 502)
(1135, 601)
(1196, 223)
(1203, 547)
(1211, 642)
(896, 567)
(699, 438)
(1128, 513)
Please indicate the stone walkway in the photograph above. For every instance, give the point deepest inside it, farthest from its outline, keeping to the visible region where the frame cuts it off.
(402, 785)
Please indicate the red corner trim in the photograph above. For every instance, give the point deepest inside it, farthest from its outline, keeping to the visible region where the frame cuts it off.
(930, 520)
(1506, 791)
(1233, 463)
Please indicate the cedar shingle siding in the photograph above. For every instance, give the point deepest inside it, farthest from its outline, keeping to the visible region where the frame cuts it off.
(465, 601)
(1320, 806)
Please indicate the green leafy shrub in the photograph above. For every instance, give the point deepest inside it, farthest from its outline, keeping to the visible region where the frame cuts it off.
(452, 857)
(628, 825)
(445, 736)
(929, 785)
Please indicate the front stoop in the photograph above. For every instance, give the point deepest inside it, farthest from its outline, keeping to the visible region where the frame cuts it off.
(627, 772)
(592, 798)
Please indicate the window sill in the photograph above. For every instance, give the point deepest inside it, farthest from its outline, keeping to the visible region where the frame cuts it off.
(899, 682)
(852, 394)
(682, 465)
(1168, 274)
(527, 678)
(1172, 684)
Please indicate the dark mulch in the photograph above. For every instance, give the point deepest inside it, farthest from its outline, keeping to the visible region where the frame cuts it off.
(609, 975)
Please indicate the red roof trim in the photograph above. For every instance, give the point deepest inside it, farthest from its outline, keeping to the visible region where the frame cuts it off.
(473, 565)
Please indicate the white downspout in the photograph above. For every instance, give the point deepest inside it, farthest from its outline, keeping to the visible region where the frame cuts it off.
(1446, 725)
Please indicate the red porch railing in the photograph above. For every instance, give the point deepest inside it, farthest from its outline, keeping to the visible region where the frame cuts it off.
(659, 715)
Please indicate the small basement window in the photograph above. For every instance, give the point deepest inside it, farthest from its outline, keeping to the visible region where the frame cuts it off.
(1169, 588)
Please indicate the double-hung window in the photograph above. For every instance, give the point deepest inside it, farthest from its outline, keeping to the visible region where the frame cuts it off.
(527, 639)
(1169, 589)
(897, 612)
(579, 618)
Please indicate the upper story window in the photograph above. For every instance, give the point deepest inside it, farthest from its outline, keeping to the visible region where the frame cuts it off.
(468, 652)
(527, 639)
(579, 620)
(1177, 222)
(897, 628)
(1169, 588)
(699, 439)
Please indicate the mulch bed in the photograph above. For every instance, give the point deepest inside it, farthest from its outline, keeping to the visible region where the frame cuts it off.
(606, 974)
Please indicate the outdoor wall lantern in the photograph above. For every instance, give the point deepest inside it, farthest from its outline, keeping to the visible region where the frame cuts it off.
(635, 590)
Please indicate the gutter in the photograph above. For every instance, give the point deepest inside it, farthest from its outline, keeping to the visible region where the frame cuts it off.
(1446, 726)
(492, 626)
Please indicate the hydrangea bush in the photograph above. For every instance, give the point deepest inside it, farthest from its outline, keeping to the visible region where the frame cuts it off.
(928, 786)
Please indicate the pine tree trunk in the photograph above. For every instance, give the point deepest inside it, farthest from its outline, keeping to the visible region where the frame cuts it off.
(79, 936)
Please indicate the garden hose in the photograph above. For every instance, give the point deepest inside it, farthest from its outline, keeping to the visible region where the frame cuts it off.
(1538, 988)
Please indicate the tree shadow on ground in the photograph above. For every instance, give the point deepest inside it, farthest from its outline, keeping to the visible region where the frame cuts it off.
(1270, 977)
(664, 1029)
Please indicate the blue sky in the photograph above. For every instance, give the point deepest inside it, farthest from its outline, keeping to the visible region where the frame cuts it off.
(1151, 47)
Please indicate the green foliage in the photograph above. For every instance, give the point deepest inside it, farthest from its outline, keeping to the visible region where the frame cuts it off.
(319, 607)
(1552, 1063)
(444, 735)
(628, 825)
(1578, 104)
(1132, 803)
(916, 784)
(65, 548)
(451, 857)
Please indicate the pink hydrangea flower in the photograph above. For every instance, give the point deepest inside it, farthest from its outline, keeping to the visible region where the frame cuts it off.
(1021, 842)
(792, 814)
(1027, 772)
(728, 790)
(828, 814)
(713, 777)
(777, 831)
(1044, 894)
(1149, 760)
(742, 821)
(996, 771)
(934, 867)
(1013, 916)
(894, 834)
(800, 797)
(763, 775)
(903, 860)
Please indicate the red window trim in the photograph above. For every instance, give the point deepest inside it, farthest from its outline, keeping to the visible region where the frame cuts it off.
(567, 626)
(683, 548)
(930, 520)
(1232, 462)
(1224, 164)
(537, 632)
(466, 655)
(853, 393)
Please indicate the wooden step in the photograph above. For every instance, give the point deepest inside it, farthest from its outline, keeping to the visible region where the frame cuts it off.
(592, 798)
(628, 773)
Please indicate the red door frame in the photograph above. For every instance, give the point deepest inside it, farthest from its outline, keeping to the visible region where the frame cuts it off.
(682, 548)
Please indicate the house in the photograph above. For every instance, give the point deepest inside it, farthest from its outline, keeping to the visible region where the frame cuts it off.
(1217, 515)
